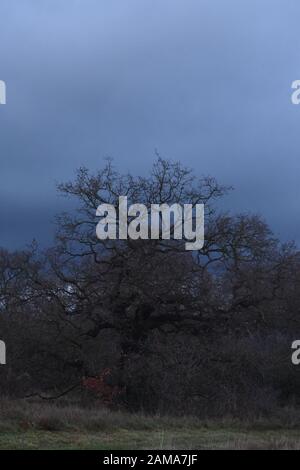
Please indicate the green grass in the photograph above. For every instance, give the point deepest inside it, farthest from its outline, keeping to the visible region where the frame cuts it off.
(26, 425)
(124, 439)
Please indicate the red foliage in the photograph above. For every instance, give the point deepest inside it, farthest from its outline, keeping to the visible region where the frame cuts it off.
(98, 385)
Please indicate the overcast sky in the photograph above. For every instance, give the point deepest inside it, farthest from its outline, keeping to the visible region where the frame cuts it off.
(207, 82)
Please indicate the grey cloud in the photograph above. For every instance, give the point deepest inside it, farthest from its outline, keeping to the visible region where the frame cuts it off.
(206, 82)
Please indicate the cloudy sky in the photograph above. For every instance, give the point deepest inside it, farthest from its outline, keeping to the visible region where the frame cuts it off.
(207, 82)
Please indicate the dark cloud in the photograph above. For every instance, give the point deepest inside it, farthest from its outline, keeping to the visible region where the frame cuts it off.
(204, 81)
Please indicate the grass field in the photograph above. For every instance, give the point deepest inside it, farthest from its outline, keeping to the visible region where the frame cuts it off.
(167, 440)
(42, 426)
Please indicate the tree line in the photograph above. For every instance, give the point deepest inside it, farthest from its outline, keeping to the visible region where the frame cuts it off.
(145, 324)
